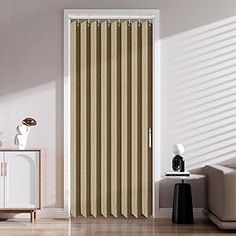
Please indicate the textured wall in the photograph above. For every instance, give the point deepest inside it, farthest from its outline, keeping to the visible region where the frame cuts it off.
(197, 65)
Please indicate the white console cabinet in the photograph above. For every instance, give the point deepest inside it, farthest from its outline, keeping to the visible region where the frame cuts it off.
(20, 181)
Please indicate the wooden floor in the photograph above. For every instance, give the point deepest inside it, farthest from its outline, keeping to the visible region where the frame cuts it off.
(105, 227)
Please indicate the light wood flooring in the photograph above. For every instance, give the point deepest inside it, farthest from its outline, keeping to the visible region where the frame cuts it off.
(106, 227)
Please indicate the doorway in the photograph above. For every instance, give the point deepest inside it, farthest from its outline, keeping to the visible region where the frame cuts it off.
(111, 116)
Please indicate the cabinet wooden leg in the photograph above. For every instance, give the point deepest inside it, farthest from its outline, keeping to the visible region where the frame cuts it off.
(31, 216)
(34, 215)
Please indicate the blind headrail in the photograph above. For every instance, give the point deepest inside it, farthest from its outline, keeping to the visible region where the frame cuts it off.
(114, 17)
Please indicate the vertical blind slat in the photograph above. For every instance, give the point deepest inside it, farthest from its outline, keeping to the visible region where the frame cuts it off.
(145, 171)
(115, 207)
(78, 118)
(150, 66)
(99, 118)
(83, 123)
(129, 118)
(113, 120)
(119, 137)
(104, 121)
(109, 118)
(136, 211)
(74, 162)
(139, 108)
(125, 204)
(94, 124)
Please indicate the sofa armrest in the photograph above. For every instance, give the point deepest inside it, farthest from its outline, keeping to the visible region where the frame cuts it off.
(221, 184)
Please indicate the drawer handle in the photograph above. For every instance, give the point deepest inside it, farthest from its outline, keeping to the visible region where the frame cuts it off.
(149, 137)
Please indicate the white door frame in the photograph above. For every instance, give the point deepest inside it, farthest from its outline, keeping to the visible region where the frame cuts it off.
(152, 14)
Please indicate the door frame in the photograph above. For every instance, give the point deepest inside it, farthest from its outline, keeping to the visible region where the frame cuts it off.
(70, 14)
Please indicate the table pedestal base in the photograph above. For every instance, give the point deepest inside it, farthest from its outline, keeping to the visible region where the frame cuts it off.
(182, 212)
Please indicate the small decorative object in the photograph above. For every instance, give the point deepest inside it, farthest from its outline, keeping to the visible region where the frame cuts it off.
(29, 122)
(178, 163)
(24, 130)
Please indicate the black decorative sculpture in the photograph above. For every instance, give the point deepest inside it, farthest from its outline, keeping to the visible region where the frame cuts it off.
(178, 163)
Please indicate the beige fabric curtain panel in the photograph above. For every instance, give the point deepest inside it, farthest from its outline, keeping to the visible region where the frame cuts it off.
(111, 70)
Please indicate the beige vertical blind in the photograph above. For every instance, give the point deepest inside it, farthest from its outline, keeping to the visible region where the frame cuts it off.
(111, 70)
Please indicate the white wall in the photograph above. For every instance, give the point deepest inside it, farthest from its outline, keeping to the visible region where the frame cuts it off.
(193, 40)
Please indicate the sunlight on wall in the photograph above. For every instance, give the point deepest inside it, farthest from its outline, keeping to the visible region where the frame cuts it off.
(199, 94)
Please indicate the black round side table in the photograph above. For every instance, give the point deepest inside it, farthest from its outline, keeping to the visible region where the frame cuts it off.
(182, 211)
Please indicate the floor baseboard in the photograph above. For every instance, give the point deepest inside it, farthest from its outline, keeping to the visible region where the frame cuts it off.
(167, 213)
(59, 213)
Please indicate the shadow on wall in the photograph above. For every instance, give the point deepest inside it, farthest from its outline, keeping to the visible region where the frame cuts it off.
(200, 96)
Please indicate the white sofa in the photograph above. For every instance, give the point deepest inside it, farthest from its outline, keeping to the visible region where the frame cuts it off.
(221, 195)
